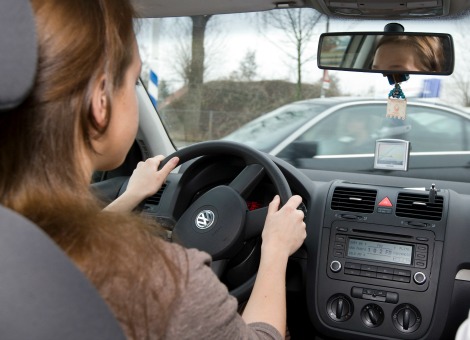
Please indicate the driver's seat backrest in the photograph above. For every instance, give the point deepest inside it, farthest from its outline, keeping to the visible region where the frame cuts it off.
(43, 295)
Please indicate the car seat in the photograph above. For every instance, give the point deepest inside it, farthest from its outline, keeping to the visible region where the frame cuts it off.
(42, 294)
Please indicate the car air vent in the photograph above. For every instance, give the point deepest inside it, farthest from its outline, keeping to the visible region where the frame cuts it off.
(418, 206)
(143, 149)
(155, 199)
(354, 199)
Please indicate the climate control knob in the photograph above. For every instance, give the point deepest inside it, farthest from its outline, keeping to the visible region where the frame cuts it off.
(406, 318)
(372, 315)
(340, 307)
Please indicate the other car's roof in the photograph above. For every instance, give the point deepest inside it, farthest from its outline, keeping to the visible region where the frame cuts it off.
(334, 101)
(165, 8)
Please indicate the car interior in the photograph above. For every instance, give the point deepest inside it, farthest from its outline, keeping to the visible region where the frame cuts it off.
(43, 295)
(386, 256)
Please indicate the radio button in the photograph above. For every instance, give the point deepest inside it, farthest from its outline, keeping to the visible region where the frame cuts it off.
(368, 268)
(421, 256)
(399, 278)
(420, 264)
(352, 265)
(384, 270)
(340, 238)
(368, 274)
(419, 278)
(335, 266)
(339, 246)
(352, 271)
(422, 247)
(401, 272)
(422, 239)
(385, 276)
(338, 253)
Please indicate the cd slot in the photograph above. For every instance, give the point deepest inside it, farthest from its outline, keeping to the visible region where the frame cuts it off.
(378, 233)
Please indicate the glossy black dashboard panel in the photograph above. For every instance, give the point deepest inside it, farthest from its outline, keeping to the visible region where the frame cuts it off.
(419, 290)
(378, 272)
(359, 296)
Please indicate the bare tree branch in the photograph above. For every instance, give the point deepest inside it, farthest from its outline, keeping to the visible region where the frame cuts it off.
(297, 26)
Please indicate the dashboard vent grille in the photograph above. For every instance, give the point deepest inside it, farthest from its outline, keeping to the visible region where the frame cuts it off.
(143, 149)
(418, 206)
(354, 199)
(155, 198)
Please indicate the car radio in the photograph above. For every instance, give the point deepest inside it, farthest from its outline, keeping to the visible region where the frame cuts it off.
(371, 254)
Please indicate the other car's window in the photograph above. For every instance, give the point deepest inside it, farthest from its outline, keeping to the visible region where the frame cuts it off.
(278, 125)
(355, 128)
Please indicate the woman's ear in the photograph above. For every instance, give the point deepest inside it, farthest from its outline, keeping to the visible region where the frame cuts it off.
(99, 102)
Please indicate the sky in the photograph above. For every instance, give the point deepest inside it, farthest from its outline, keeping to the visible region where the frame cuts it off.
(230, 37)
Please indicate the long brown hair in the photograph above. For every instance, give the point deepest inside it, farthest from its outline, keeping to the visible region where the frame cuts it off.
(40, 172)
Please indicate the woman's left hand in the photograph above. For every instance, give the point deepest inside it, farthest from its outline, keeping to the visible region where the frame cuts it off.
(145, 181)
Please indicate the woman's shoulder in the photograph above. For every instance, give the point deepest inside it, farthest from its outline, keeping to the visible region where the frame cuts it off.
(185, 257)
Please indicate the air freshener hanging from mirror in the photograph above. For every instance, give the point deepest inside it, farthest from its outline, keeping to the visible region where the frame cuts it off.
(396, 103)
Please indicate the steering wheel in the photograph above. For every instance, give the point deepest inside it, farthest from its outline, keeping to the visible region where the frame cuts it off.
(219, 221)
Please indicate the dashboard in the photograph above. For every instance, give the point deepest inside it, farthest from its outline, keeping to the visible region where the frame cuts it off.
(391, 257)
(379, 260)
(384, 258)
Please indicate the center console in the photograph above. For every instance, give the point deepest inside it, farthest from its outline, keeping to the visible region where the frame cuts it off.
(379, 260)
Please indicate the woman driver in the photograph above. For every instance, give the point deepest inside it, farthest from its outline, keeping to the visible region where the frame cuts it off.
(82, 116)
(409, 53)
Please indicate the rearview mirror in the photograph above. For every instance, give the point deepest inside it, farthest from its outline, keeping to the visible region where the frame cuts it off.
(387, 53)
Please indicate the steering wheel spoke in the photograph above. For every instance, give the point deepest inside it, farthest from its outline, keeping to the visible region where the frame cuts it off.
(254, 222)
(248, 178)
(218, 267)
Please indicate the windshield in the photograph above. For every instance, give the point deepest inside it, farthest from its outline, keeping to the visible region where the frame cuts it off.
(253, 78)
(278, 124)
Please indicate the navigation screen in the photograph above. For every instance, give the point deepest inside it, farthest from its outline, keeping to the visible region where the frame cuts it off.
(380, 251)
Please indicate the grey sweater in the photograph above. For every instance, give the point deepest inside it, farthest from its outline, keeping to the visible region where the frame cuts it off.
(205, 310)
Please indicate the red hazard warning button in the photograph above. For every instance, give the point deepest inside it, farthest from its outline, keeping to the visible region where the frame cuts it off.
(385, 203)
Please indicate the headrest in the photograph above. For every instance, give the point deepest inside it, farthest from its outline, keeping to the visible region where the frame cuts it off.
(18, 56)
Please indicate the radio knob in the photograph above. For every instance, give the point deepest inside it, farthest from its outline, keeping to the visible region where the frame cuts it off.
(419, 278)
(335, 266)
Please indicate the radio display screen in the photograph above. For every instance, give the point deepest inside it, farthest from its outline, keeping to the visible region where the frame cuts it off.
(380, 251)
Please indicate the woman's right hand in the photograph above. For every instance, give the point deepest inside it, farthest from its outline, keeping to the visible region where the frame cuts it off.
(283, 233)
(284, 229)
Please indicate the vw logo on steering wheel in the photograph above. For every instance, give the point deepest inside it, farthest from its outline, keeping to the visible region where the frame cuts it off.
(205, 219)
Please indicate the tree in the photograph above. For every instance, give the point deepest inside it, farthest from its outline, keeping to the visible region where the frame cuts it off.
(192, 119)
(163, 90)
(182, 55)
(459, 88)
(297, 25)
(190, 65)
(247, 68)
